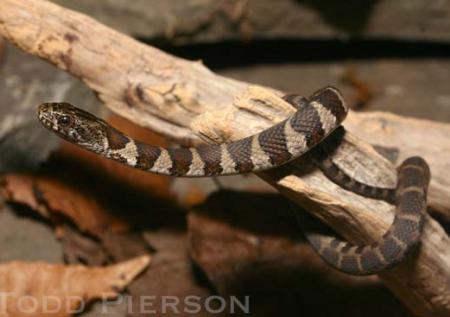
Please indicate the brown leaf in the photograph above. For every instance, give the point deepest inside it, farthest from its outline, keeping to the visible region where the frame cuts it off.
(19, 188)
(50, 195)
(42, 289)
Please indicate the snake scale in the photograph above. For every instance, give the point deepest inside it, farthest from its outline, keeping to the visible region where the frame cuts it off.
(303, 132)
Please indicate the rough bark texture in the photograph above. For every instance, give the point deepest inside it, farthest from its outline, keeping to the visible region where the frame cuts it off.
(186, 101)
(216, 20)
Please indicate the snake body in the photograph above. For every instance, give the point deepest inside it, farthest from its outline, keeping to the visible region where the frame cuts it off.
(273, 147)
(399, 240)
(315, 119)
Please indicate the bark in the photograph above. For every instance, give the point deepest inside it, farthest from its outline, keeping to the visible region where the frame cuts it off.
(187, 102)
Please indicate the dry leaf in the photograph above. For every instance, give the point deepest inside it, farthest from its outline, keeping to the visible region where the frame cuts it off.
(42, 289)
(53, 195)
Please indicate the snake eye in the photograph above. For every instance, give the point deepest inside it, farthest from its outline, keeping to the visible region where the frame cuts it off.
(64, 121)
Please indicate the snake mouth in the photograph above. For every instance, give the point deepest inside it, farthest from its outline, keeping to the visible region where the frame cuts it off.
(45, 117)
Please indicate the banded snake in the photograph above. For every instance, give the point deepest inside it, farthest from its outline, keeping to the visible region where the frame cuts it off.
(315, 119)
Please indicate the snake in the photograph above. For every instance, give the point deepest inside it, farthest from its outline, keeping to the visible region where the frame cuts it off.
(317, 119)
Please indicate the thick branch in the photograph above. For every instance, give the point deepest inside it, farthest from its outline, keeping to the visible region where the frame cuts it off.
(185, 101)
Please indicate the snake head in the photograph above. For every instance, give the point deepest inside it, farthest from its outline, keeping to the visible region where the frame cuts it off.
(74, 125)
